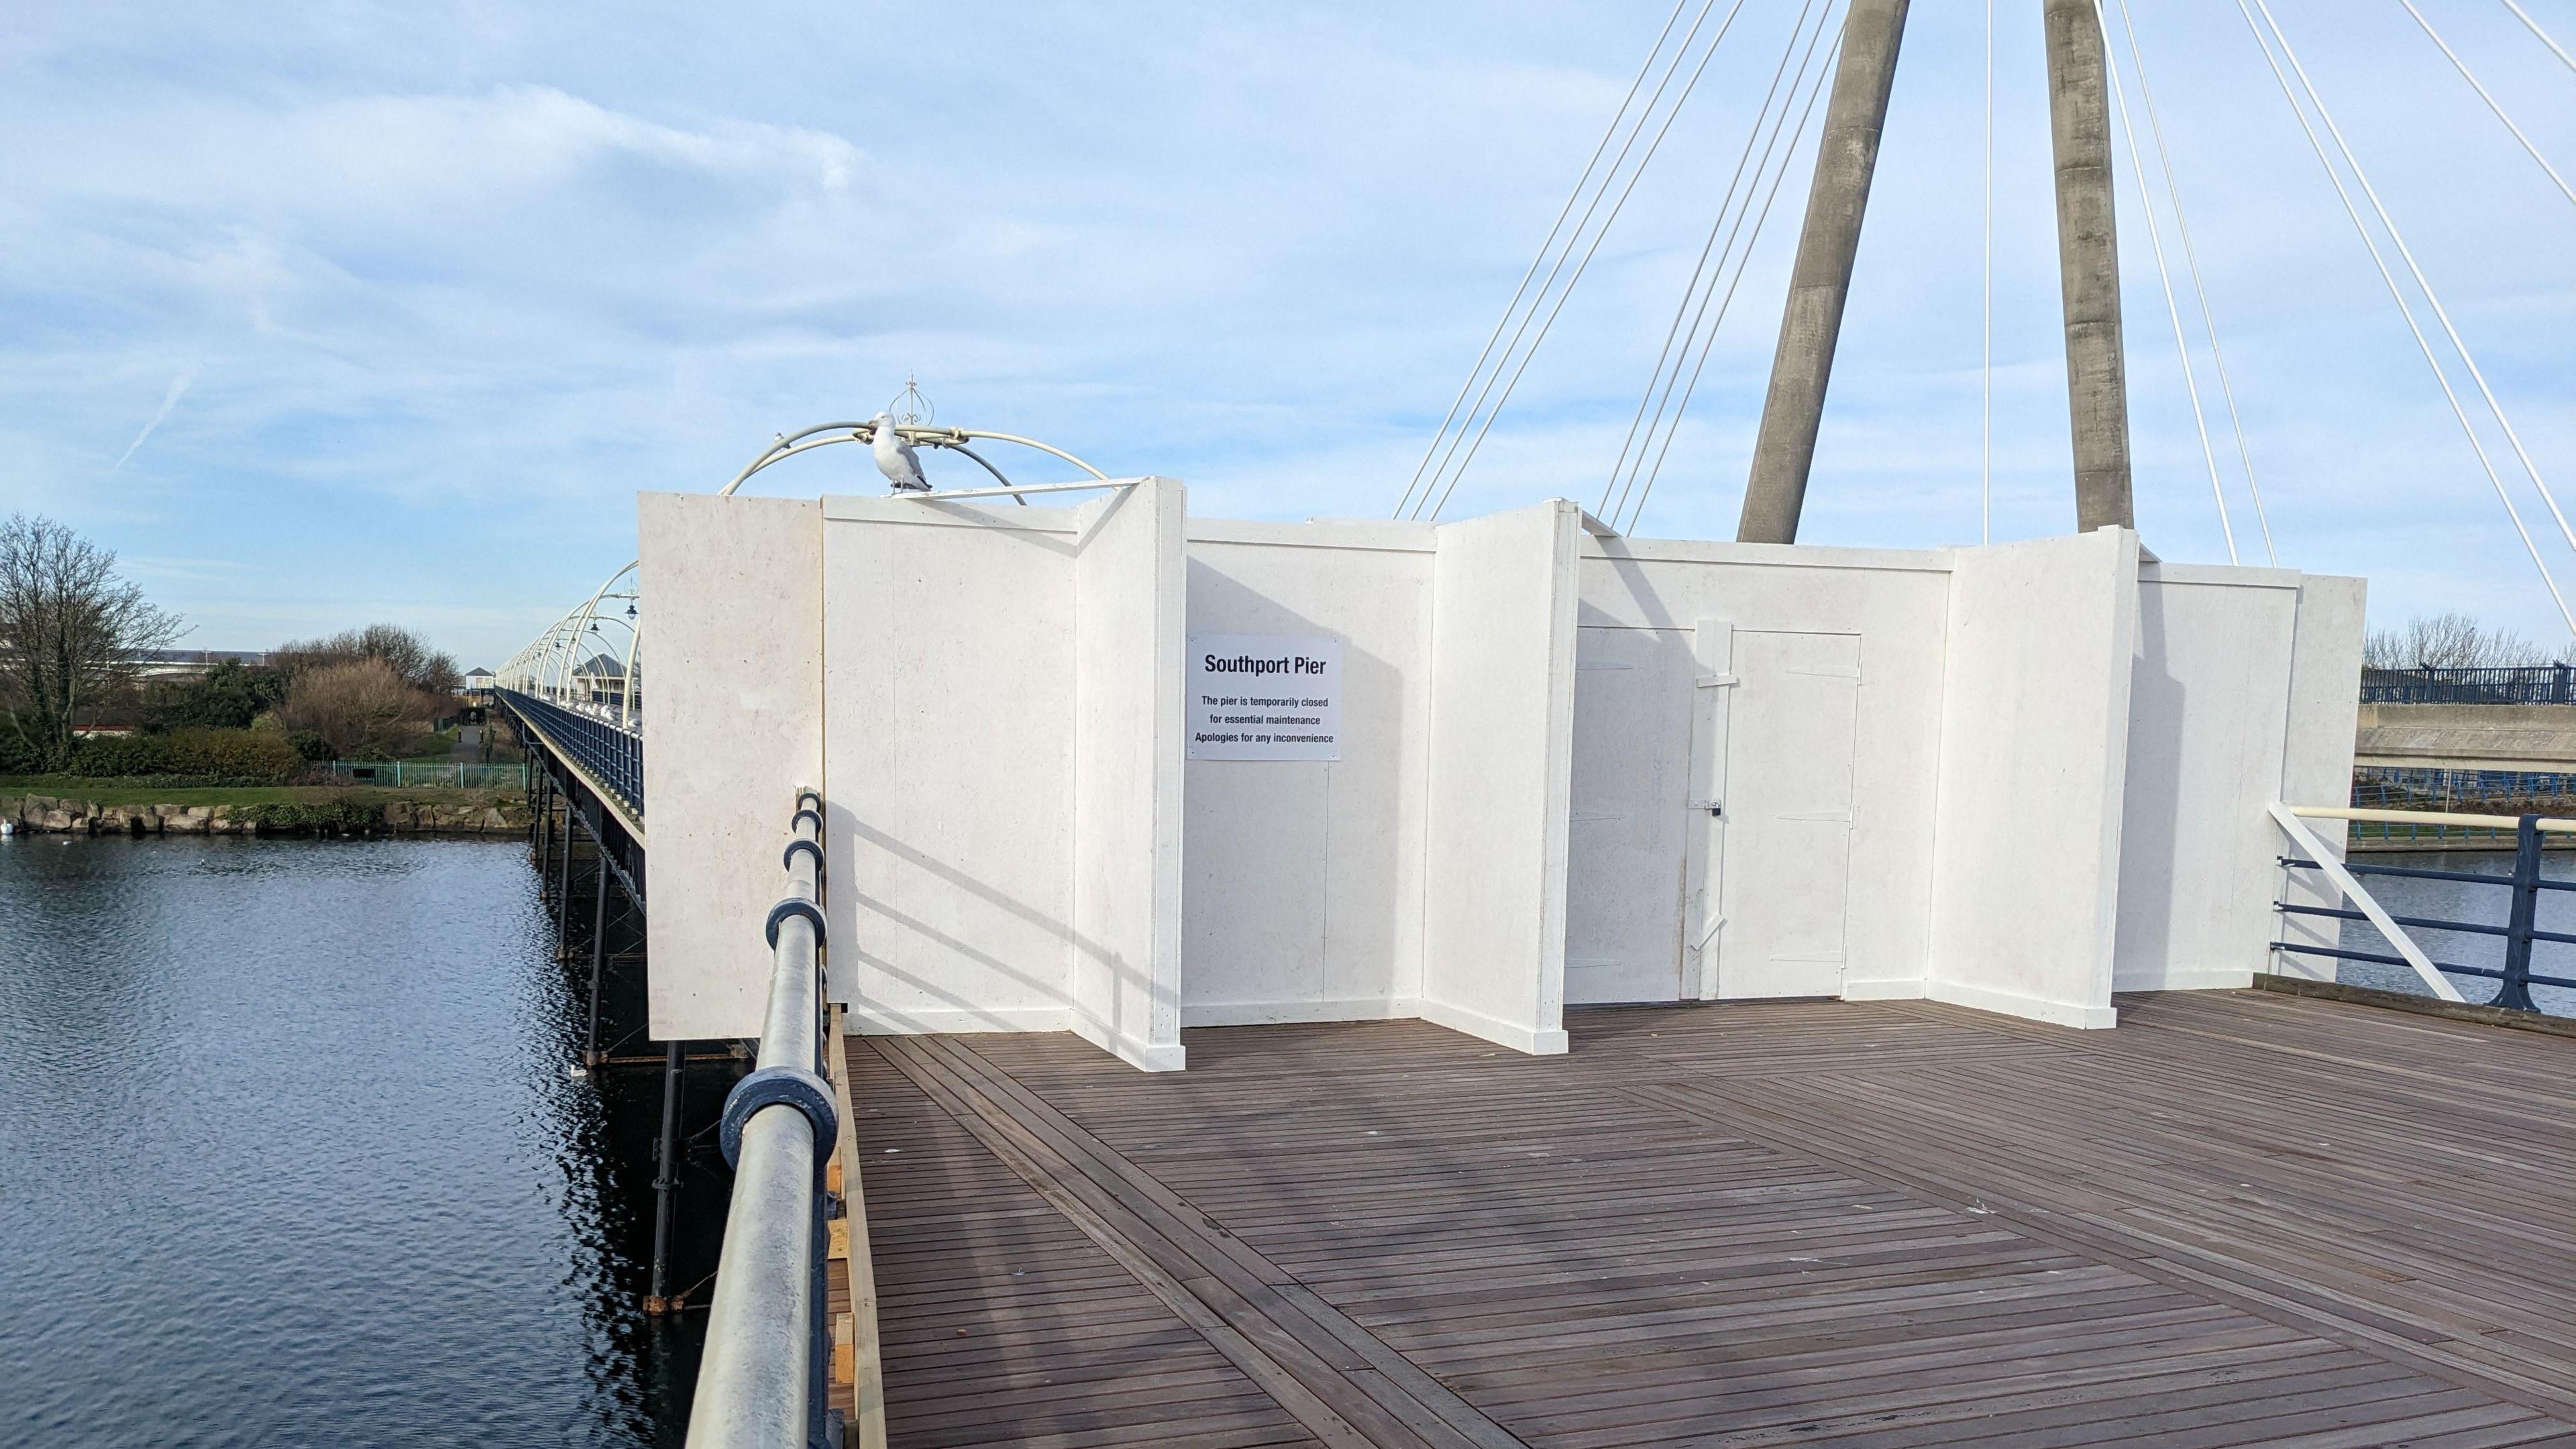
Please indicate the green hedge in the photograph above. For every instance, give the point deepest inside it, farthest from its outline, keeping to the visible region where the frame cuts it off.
(243, 757)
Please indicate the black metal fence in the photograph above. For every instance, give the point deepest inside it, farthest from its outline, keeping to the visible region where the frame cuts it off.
(614, 756)
(2515, 977)
(2532, 684)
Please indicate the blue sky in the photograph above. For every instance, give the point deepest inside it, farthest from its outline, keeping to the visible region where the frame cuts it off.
(326, 314)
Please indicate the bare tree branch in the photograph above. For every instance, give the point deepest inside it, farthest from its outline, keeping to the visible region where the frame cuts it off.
(71, 631)
(2449, 641)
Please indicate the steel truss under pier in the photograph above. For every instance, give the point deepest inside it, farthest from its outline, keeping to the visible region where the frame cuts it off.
(2244, 1217)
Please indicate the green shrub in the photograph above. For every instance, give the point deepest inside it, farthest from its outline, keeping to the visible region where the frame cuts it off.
(109, 756)
(261, 757)
(227, 757)
(228, 697)
(17, 757)
(310, 747)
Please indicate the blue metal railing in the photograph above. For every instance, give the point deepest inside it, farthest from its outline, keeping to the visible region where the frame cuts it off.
(2528, 684)
(2515, 978)
(613, 756)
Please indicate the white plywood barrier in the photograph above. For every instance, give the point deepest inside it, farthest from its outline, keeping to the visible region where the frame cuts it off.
(1005, 837)
(1125, 987)
(2316, 764)
(2208, 722)
(1501, 764)
(950, 762)
(2033, 774)
(1303, 899)
(734, 725)
(1107, 769)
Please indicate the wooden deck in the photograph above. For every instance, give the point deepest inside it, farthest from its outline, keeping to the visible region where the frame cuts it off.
(2241, 1218)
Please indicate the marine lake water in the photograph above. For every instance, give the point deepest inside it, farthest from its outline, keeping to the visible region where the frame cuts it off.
(289, 1155)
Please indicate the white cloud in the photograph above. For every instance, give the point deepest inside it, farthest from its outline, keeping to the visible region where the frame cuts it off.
(462, 278)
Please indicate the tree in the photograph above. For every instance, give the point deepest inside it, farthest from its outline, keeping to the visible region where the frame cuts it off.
(361, 707)
(410, 657)
(2448, 640)
(71, 632)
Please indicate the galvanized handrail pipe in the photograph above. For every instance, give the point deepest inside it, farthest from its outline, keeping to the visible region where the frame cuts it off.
(760, 1381)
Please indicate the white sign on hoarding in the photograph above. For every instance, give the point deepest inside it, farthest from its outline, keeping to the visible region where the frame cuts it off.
(1265, 697)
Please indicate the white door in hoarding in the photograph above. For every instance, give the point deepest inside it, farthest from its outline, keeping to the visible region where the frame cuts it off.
(1631, 759)
(1780, 818)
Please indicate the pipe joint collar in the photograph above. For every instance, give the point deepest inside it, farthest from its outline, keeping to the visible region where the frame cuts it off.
(781, 1087)
(796, 906)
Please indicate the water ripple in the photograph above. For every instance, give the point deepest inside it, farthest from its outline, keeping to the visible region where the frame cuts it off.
(288, 1155)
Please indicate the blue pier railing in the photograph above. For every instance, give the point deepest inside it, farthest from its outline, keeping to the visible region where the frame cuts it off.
(2514, 978)
(613, 756)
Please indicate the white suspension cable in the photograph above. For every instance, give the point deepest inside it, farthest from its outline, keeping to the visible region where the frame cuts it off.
(1681, 52)
(1557, 267)
(1544, 247)
(1597, 237)
(2191, 260)
(1743, 264)
(1986, 476)
(2407, 310)
(2459, 344)
(2554, 47)
(2466, 74)
(1701, 273)
(1739, 261)
(2164, 276)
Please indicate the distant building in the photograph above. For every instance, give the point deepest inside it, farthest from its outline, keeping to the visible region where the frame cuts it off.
(478, 681)
(192, 663)
(599, 680)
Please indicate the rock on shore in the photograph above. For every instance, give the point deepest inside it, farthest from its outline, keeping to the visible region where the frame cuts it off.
(58, 815)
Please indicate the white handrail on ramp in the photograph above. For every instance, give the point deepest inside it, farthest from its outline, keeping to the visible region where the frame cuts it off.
(2306, 839)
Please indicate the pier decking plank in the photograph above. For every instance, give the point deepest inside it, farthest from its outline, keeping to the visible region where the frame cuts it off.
(2241, 1218)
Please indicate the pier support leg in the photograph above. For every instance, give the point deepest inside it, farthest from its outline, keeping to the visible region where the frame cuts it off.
(666, 1183)
(591, 1055)
(1812, 322)
(563, 891)
(545, 828)
(2088, 261)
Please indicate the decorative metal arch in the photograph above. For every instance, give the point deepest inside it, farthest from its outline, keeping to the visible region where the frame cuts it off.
(546, 666)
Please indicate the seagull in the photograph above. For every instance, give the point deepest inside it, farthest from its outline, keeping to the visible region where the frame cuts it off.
(896, 460)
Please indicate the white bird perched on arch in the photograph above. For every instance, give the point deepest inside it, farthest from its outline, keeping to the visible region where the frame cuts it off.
(895, 458)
